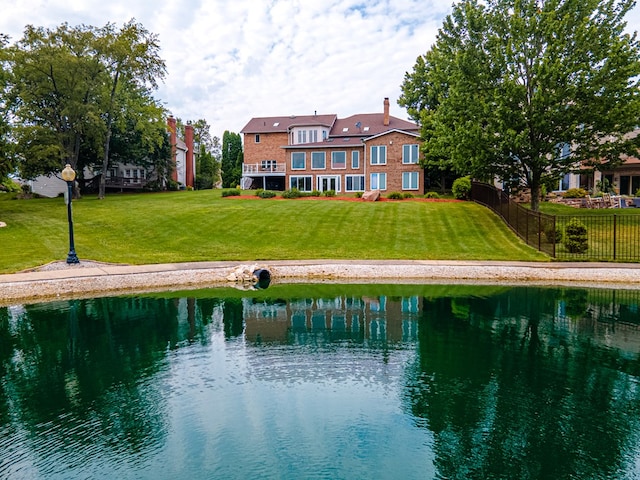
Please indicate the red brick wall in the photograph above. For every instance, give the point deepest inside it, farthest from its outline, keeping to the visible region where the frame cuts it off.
(394, 142)
(269, 147)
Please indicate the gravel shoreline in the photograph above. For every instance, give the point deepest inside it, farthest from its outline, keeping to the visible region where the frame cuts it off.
(60, 281)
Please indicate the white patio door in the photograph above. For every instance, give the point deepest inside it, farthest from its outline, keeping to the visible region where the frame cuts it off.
(328, 182)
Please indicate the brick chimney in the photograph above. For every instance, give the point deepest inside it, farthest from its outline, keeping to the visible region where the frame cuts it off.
(386, 112)
(173, 139)
(191, 159)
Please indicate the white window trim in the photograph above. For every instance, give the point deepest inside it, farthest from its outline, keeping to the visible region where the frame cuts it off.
(346, 183)
(378, 174)
(345, 160)
(304, 161)
(325, 161)
(411, 174)
(378, 148)
(310, 177)
(355, 154)
(410, 161)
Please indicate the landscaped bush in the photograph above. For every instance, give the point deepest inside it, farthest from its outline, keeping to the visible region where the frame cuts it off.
(265, 193)
(329, 193)
(575, 193)
(407, 195)
(10, 186)
(293, 193)
(315, 193)
(395, 196)
(575, 236)
(637, 193)
(359, 194)
(553, 235)
(231, 192)
(431, 195)
(461, 188)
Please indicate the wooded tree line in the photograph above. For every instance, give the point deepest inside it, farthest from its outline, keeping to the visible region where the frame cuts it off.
(527, 90)
(83, 95)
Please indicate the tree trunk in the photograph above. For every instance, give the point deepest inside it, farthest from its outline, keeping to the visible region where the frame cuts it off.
(535, 193)
(107, 141)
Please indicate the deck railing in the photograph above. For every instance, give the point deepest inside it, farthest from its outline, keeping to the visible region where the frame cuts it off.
(258, 168)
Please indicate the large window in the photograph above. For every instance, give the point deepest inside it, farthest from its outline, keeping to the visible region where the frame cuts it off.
(355, 183)
(410, 153)
(410, 180)
(378, 181)
(355, 159)
(378, 155)
(298, 161)
(338, 160)
(318, 160)
(302, 183)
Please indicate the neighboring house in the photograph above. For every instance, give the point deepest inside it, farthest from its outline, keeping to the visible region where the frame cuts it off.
(126, 176)
(373, 151)
(625, 178)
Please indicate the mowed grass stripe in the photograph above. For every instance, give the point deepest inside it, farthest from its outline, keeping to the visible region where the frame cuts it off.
(196, 226)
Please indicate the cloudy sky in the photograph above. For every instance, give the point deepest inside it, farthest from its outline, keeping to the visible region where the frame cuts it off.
(230, 60)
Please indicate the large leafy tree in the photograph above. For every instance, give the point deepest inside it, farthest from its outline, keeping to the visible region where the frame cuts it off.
(231, 159)
(71, 88)
(528, 90)
(6, 160)
(131, 61)
(55, 96)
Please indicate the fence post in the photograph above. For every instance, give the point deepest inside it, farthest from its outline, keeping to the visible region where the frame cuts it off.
(615, 227)
(539, 232)
(555, 232)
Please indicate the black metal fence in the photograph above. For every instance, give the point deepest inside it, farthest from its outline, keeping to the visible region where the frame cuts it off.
(581, 237)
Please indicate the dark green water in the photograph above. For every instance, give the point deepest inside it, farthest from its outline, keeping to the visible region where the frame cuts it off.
(324, 381)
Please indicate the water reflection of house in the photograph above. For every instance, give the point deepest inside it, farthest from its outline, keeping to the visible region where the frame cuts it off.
(372, 319)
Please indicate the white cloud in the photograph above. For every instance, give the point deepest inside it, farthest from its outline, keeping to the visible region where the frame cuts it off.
(228, 61)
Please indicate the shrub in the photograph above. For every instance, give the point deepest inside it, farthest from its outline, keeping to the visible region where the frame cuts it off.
(315, 193)
(461, 188)
(293, 193)
(359, 194)
(575, 193)
(395, 196)
(575, 236)
(265, 193)
(553, 235)
(431, 195)
(407, 195)
(329, 193)
(231, 192)
(637, 194)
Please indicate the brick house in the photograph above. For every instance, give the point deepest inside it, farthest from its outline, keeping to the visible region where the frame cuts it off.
(373, 151)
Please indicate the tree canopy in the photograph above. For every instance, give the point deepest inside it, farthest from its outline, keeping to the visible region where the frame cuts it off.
(528, 90)
(232, 158)
(71, 89)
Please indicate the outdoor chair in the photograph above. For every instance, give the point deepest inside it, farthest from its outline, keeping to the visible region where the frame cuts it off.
(589, 202)
(636, 202)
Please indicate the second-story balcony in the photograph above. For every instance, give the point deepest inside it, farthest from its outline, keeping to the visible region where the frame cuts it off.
(267, 167)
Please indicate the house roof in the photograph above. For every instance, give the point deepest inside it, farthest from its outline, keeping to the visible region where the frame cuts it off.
(283, 124)
(369, 124)
(330, 142)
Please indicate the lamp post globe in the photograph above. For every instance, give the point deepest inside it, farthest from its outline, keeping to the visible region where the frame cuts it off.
(69, 175)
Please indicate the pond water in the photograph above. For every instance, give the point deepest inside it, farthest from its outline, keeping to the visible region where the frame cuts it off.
(324, 381)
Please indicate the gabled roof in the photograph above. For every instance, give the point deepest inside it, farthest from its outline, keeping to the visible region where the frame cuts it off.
(283, 124)
(369, 124)
(386, 132)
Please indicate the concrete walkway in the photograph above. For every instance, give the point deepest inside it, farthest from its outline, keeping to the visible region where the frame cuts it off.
(59, 280)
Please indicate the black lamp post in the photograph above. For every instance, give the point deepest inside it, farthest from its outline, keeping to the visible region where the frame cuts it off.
(69, 175)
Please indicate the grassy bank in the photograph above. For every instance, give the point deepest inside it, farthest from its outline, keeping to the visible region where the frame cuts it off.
(200, 225)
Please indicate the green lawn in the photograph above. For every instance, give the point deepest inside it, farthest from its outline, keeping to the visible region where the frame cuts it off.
(200, 225)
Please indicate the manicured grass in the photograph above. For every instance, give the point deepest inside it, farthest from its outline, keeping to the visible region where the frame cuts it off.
(200, 225)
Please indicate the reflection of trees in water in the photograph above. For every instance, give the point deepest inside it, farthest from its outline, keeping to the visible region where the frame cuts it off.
(509, 394)
(88, 359)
